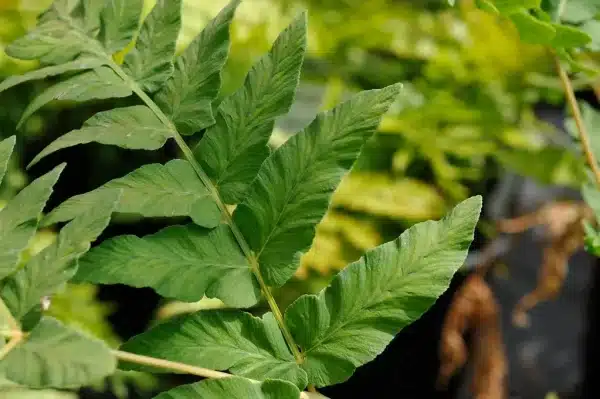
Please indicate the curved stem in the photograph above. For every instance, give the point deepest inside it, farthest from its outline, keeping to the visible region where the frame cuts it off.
(583, 133)
(248, 253)
(186, 368)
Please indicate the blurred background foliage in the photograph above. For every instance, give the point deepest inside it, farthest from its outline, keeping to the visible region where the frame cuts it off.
(467, 113)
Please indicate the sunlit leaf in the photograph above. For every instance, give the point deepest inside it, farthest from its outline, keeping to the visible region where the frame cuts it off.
(355, 318)
(233, 149)
(56, 264)
(188, 95)
(233, 387)
(97, 84)
(55, 356)
(150, 63)
(153, 190)
(135, 128)
(293, 188)
(19, 219)
(181, 262)
(223, 340)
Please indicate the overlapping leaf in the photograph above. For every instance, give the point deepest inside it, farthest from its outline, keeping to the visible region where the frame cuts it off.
(150, 62)
(233, 149)
(120, 19)
(134, 127)
(53, 41)
(354, 319)
(19, 218)
(153, 190)
(233, 387)
(77, 65)
(223, 340)
(55, 356)
(56, 264)
(182, 262)
(188, 95)
(292, 190)
(99, 83)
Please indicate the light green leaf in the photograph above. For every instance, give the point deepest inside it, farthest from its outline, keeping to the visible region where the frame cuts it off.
(293, 188)
(232, 150)
(508, 7)
(591, 120)
(569, 37)
(351, 321)
(592, 239)
(55, 356)
(578, 11)
(150, 63)
(153, 190)
(92, 9)
(6, 148)
(56, 264)
(77, 65)
(23, 393)
(222, 340)
(60, 36)
(19, 219)
(181, 262)
(99, 83)
(120, 19)
(592, 28)
(554, 165)
(487, 5)
(591, 195)
(234, 388)
(188, 95)
(533, 30)
(134, 128)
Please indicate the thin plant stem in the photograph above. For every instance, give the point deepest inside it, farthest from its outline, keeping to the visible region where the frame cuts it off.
(11, 344)
(249, 254)
(583, 133)
(5, 313)
(187, 369)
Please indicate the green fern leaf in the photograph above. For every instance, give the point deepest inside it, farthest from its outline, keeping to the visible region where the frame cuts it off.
(19, 219)
(356, 317)
(99, 83)
(20, 393)
(92, 9)
(56, 264)
(294, 185)
(150, 62)
(188, 95)
(222, 340)
(135, 128)
(77, 65)
(120, 19)
(153, 190)
(55, 356)
(6, 149)
(181, 262)
(233, 387)
(233, 149)
(56, 38)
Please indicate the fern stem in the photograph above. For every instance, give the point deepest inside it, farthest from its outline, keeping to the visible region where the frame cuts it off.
(10, 345)
(248, 253)
(186, 368)
(10, 319)
(583, 133)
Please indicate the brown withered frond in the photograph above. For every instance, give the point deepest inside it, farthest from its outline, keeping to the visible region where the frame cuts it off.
(565, 236)
(474, 308)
